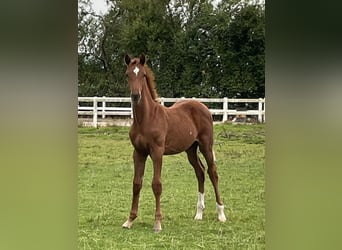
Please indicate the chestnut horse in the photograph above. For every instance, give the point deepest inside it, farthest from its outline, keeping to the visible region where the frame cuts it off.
(158, 130)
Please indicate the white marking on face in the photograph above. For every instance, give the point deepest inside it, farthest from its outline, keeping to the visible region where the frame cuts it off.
(136, 70)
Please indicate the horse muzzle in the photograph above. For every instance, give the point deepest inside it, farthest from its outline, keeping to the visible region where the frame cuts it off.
(136, 97)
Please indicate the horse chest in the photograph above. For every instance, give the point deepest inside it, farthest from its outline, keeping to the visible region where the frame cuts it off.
(146, 141)
(139, 141)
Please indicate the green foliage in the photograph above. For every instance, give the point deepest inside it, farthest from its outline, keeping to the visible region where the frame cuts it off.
(105, 191)
(193, 48)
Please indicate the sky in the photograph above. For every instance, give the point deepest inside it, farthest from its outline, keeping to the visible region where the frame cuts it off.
(99, 6)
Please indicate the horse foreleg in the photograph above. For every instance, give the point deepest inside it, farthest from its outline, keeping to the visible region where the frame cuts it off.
(139, 169)
(157, 187)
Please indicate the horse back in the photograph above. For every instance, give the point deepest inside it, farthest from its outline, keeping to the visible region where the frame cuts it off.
(194, 112)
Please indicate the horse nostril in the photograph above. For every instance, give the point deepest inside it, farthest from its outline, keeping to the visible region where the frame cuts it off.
(135, 97)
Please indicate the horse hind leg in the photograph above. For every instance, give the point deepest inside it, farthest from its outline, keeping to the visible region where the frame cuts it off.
(199, 170)
(209, 156)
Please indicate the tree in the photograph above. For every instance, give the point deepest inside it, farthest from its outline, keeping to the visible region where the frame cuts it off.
(99, 51)
(242, 53)
(193, 48)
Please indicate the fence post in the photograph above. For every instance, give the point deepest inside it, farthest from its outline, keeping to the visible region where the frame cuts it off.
(162, 101)
(260, 110)
(103, 108)
(225, 109)
(264, 110)
(95, 112)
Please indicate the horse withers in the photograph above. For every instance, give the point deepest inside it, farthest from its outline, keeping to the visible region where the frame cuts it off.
(158, 130)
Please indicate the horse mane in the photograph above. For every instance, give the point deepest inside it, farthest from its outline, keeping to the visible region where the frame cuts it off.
(150, 83)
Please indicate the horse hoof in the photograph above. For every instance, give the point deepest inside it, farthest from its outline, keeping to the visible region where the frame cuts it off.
(127, 224)
(157, 227)
(198, 217)
(222, 218)
(221, 215)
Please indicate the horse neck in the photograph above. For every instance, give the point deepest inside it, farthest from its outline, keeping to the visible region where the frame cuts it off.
(142, 110)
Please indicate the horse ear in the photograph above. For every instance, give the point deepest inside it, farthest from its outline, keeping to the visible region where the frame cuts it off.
(127, 59)
(142, 59)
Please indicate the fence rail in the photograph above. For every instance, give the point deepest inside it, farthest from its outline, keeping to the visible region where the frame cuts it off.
(112, 106)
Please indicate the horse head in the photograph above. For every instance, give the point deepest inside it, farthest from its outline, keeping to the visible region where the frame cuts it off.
(135, 76)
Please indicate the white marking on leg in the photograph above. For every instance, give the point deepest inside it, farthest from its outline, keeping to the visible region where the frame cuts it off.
(136, 70)
(127, 224)
(200, 206)
(214, 155)
(220, 211)
(157, 227)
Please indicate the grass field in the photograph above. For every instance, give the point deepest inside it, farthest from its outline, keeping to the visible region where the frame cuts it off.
(105, 192)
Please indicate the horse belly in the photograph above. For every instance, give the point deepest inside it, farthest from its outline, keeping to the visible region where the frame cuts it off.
(179, 141)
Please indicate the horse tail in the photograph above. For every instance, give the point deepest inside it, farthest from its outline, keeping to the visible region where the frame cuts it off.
(214, 156)
(201, 164)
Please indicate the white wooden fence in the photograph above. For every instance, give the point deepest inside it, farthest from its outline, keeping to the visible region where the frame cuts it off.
(89, 106)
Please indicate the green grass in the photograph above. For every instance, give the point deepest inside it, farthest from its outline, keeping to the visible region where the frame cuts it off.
(105, 192)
